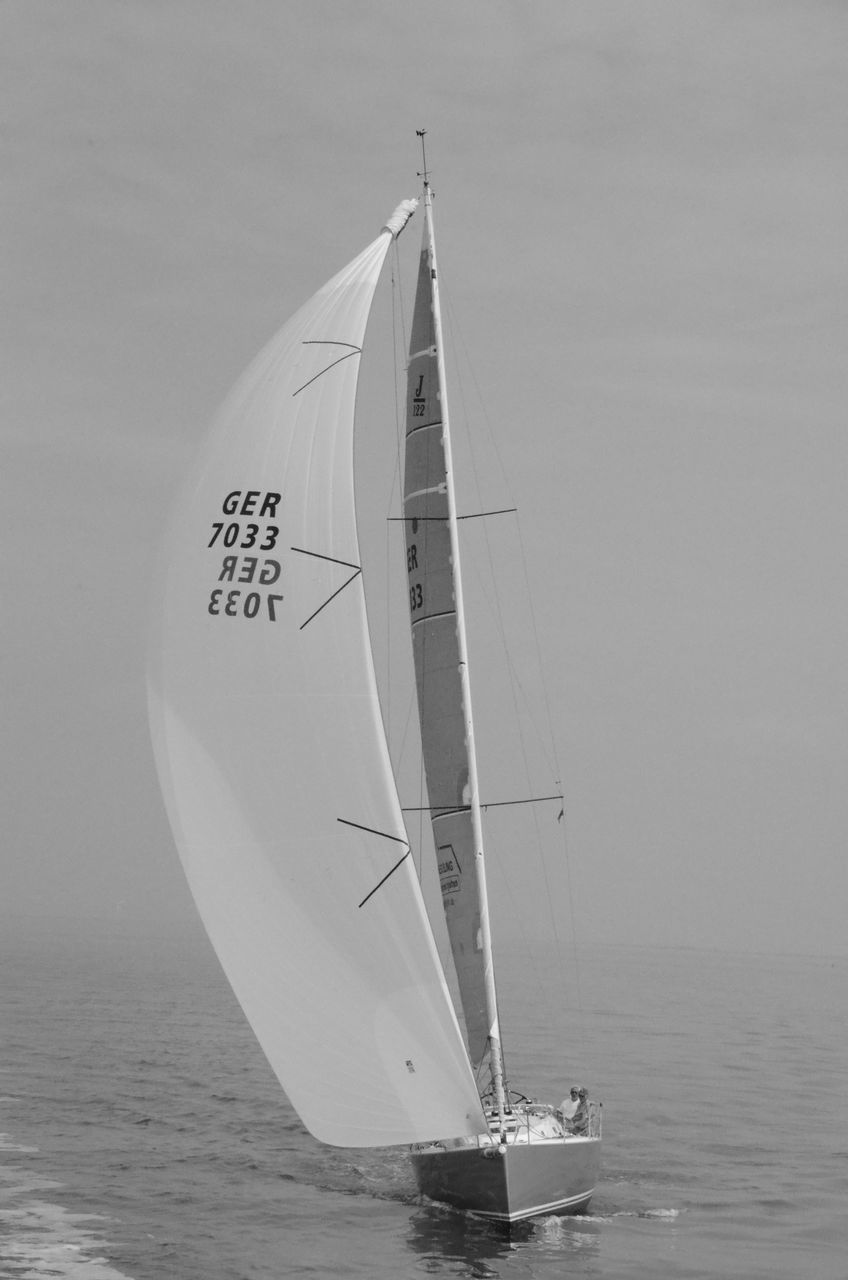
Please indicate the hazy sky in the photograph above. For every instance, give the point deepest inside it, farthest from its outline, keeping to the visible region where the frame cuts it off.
(641, 211)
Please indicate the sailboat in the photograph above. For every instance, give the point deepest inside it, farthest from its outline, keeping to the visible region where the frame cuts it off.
(276, 776)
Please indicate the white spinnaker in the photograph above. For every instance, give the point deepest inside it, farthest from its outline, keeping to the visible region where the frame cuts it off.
(272, 755)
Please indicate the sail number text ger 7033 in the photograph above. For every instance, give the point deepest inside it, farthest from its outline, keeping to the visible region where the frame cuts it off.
(257, 534)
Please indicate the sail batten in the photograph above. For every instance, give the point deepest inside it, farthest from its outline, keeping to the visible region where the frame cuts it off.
(272, 755)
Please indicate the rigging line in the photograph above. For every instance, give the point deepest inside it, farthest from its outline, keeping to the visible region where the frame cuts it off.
(558, 774)
(575, 955)
(319, 555)
(475, 515)
(515, 682)
(356, 351)
(548, 746)
(493, 597)
(440, 811)
(399, 863)
(346, 564)
(372, 831)
(502, 511)
(497, 804)
(537, 647)
(446, 810)
(458, 339)
(329, 342)
(329, 600)
(516, 689)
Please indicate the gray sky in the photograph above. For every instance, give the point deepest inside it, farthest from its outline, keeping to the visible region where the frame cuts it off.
(642, 229)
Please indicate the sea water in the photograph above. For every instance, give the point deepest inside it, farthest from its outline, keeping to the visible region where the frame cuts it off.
(144, 1136)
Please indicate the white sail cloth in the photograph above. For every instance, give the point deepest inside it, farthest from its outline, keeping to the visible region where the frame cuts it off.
(272, 755)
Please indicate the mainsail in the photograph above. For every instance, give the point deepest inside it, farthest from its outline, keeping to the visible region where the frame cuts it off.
(443, 698)
(272, 755)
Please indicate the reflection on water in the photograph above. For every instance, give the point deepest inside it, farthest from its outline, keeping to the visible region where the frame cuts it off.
(463, 1245)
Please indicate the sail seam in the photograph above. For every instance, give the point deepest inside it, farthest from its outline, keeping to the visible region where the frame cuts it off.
(422, 493)
(423, 426)
(432, 617)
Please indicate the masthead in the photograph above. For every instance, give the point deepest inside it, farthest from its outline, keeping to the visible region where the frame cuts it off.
(424, 172)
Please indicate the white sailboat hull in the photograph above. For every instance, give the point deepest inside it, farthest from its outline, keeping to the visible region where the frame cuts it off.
(510, 1183)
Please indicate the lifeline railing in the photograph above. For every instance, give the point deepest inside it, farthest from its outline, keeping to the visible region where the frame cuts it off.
(522, 1118)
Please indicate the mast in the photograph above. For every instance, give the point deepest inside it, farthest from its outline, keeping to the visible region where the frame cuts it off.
(494, 1040)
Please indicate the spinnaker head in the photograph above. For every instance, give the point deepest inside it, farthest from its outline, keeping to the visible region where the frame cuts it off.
(400, 217)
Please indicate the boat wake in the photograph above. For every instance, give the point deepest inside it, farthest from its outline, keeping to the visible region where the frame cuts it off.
(662, 1215)
(41, 1239)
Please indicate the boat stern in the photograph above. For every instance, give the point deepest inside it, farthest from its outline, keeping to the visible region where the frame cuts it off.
(512, 1181)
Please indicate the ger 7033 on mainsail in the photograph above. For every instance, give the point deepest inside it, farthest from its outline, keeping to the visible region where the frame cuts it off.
(277, 780)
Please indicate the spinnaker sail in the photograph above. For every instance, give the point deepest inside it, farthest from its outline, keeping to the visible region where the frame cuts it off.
(272, 755)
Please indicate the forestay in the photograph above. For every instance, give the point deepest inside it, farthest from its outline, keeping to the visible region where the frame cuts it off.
(272, 755)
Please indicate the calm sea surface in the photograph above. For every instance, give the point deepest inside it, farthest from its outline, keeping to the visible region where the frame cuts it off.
(142, 1134)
